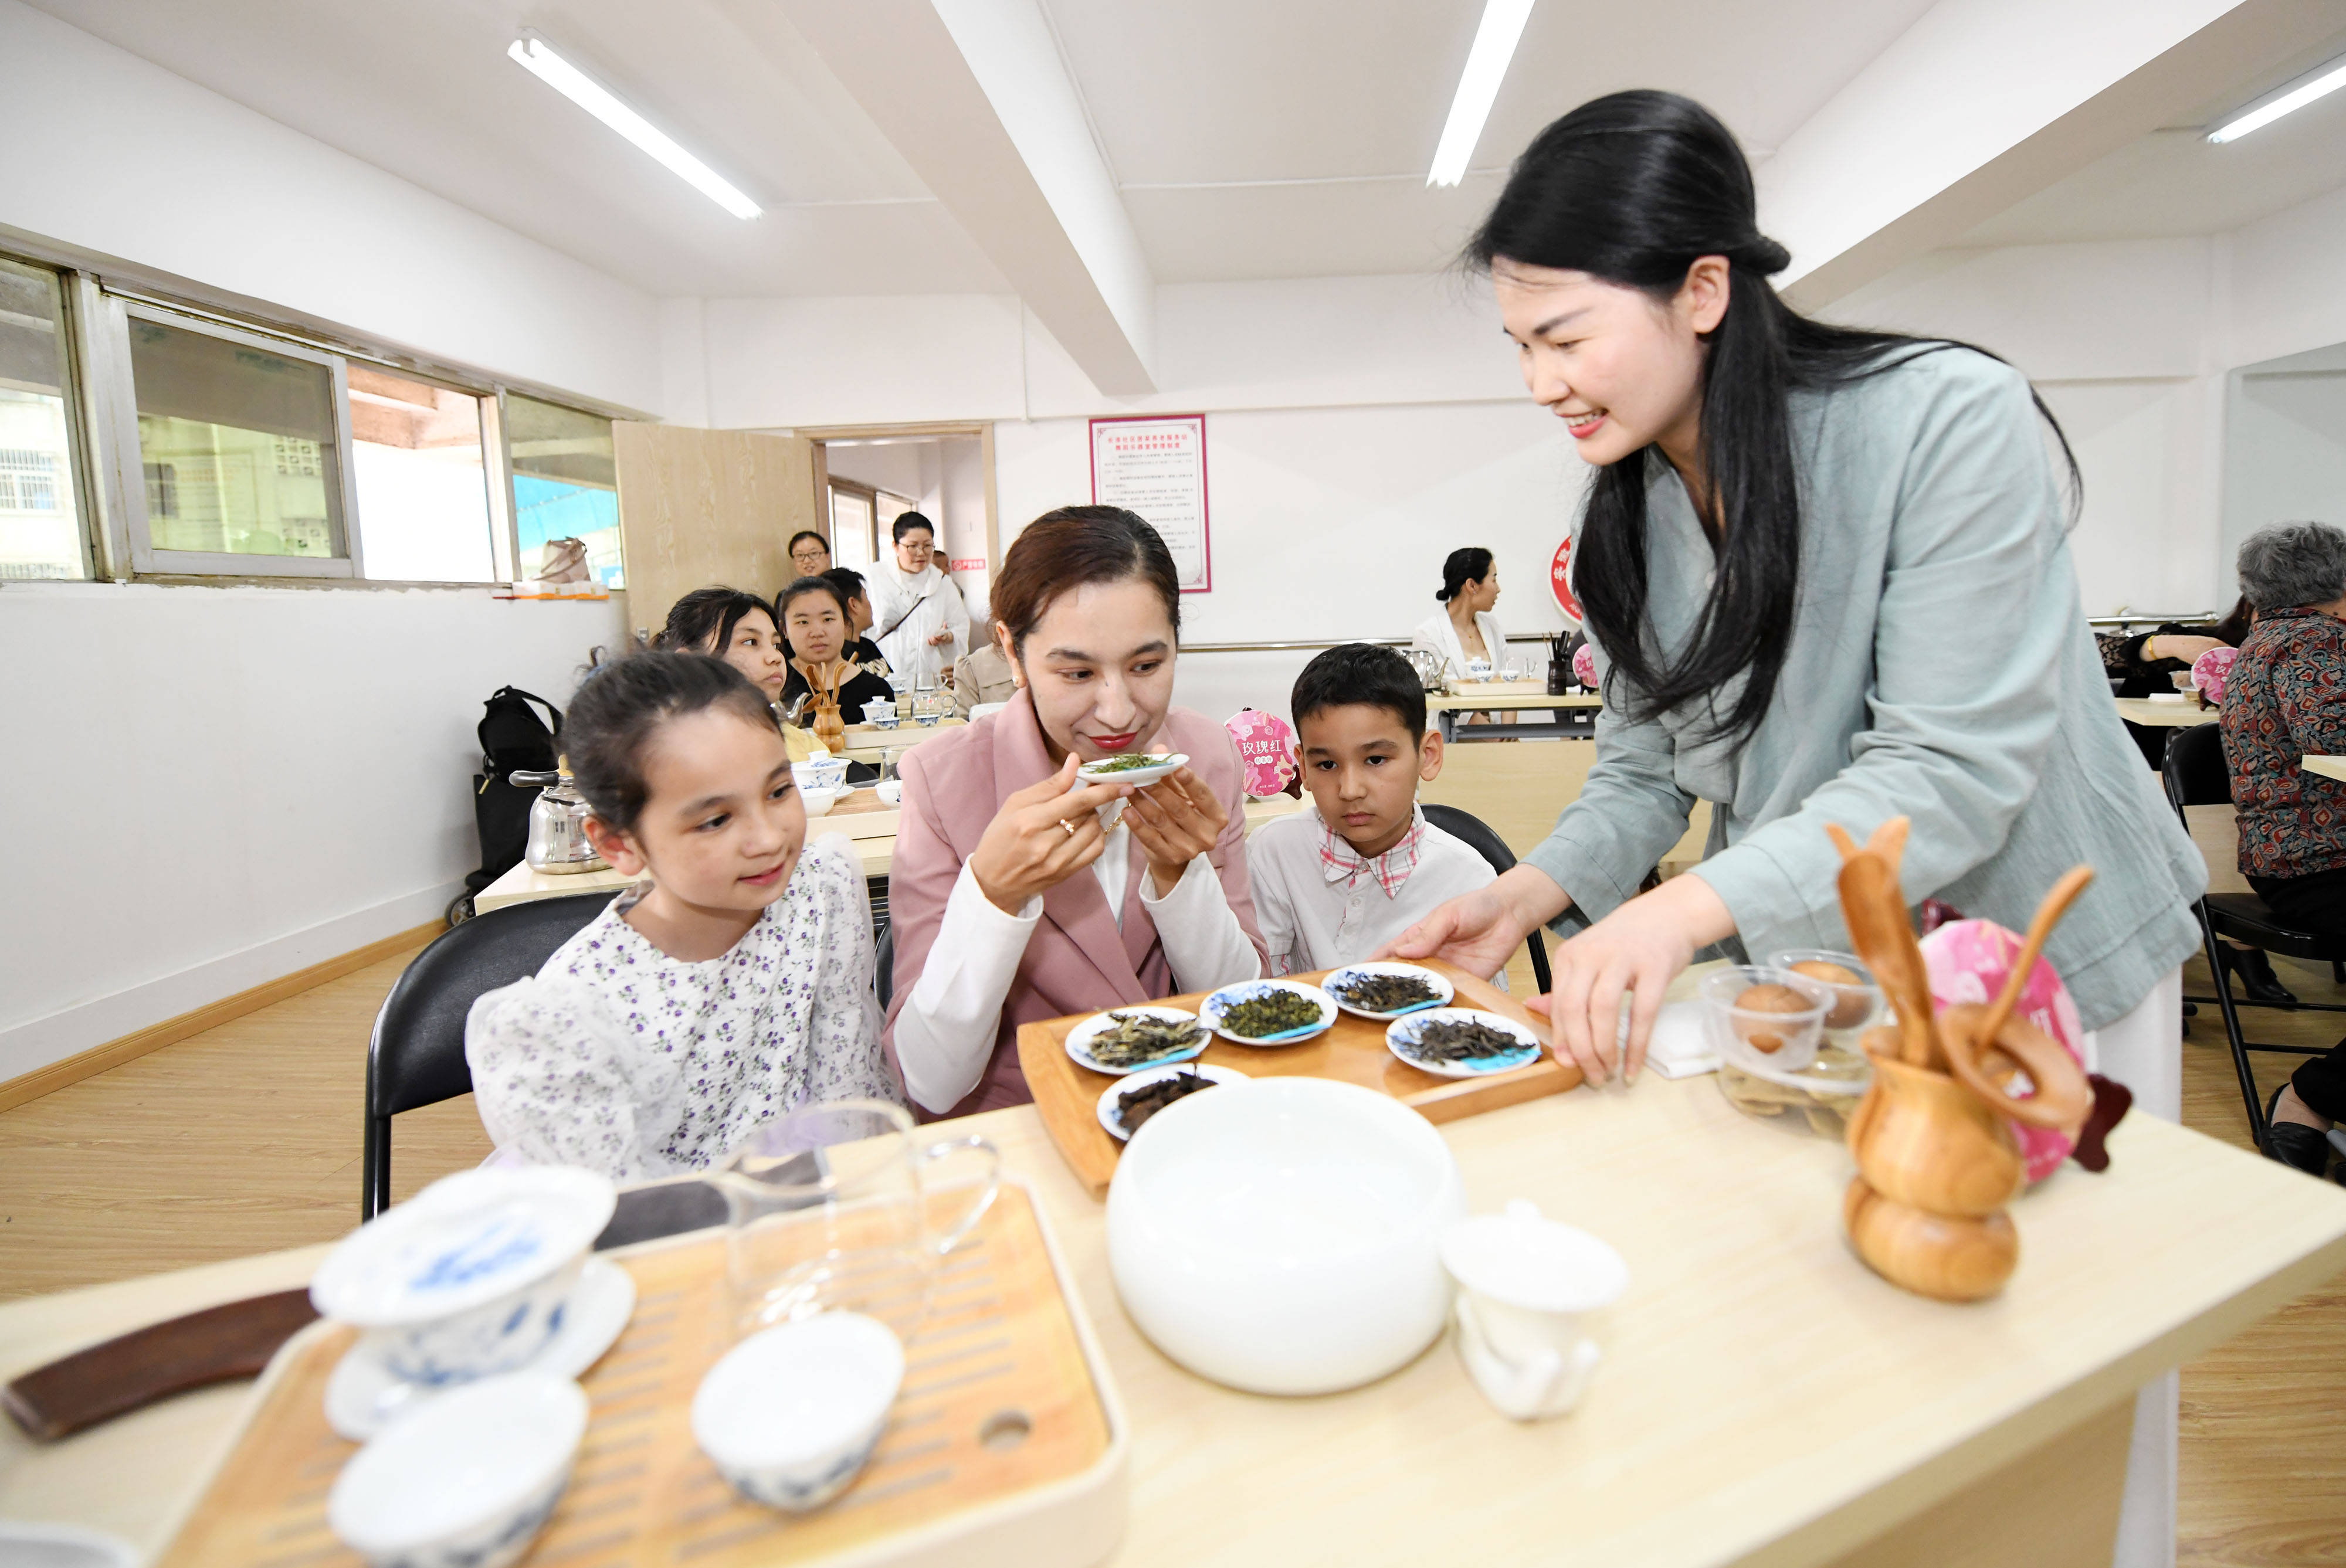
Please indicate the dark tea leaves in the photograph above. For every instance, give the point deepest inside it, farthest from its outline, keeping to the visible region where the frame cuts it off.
(1386, 993)
(1134, 1106)
(1450, 1040)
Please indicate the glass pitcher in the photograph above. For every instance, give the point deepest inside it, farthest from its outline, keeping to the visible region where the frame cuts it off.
(833, 1206)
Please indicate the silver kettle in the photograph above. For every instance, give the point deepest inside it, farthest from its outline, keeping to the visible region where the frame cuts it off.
(559, 844)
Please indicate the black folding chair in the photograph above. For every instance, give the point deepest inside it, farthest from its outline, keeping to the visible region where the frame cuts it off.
(2196, 774)
(1479, 838)
(417, 1054)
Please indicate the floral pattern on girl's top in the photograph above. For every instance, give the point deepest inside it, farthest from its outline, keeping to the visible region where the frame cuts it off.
(2286, 696)
(620, 1059)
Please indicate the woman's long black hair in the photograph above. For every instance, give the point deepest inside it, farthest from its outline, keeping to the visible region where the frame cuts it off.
(1633, 188)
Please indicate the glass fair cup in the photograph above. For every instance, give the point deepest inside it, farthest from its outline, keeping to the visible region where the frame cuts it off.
(835, 1207)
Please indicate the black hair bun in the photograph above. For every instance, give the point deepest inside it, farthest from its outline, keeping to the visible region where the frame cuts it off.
(1765, 257)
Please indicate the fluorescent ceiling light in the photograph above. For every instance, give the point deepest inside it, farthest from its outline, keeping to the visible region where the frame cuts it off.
(1478, 88)
(2331, 78)
(532, 53)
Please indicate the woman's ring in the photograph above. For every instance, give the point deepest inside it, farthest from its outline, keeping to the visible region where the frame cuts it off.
(1070, 827)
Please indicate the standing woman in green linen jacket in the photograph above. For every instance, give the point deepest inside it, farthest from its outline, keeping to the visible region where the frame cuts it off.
(1827, 576)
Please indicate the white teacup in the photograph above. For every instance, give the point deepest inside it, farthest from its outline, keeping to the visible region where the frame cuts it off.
(1523, 1282)
(468, 1278)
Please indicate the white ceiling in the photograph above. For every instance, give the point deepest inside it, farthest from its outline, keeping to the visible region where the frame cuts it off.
(2171, 183)
(1251, 140)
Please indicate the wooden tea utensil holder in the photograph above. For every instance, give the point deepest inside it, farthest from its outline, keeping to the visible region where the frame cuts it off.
(1935, 1156)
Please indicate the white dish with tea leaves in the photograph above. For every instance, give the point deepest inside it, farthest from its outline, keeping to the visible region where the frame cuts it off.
(1111, 1100)
(1083, 1035)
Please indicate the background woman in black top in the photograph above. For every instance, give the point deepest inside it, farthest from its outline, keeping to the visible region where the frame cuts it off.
(814, 619)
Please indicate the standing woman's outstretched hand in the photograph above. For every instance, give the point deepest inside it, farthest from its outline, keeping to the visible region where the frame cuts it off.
(1635, 951)
(1042, 835)
(1478, 932)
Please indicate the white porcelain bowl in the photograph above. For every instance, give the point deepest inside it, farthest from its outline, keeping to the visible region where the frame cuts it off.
(1282, 1236)
(819, 773)
(467, 1278)
(818, 801)
(790, 1415)
(467, 1480)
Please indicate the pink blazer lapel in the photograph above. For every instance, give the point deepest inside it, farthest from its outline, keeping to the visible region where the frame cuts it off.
(1077, 907)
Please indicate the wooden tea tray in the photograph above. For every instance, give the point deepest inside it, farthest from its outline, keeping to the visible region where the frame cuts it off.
(1004, 1340)
(1353, 1051)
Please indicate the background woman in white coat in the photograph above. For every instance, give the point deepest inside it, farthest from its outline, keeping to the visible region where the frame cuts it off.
(917, 615)
(1464, 628)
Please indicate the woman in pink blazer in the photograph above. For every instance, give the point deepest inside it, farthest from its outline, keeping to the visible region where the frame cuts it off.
(1017, 895)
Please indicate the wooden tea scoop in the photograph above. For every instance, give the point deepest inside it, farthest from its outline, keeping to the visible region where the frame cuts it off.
(1974, 1033)
(1875, 910)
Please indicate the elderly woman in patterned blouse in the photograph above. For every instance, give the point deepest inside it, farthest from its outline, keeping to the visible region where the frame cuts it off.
(2286, 698)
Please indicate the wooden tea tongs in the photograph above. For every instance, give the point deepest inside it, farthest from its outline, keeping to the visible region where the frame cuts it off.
(1980, 1045)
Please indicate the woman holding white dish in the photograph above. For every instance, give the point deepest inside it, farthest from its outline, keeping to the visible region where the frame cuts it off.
(1013, 897)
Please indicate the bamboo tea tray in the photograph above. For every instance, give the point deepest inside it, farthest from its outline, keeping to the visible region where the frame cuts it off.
(1354, 1050)
(952, 1482)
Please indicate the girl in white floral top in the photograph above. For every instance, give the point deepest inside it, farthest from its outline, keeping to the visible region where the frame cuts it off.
(735, 987)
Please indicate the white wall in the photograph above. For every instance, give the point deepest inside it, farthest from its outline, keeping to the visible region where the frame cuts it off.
(214, 787)
(110, 153)
(2124, 341)
(2286, 452)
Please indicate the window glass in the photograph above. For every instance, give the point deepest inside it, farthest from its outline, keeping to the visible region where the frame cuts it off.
(422, 489)
(238, 445)
(565, 485)
(851, 516)
(40, 525)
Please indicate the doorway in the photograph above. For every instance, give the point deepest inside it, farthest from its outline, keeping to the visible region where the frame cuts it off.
(868, 476)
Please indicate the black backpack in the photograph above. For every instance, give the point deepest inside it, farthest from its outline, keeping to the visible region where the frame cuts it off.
(514, 739)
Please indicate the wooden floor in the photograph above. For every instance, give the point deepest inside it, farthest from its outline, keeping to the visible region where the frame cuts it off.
(246, 1138)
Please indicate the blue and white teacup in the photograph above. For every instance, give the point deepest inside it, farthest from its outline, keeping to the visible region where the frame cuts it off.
(470, 1277)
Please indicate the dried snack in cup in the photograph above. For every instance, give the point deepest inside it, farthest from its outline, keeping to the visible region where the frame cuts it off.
(1270, 1013)
(1847, 1010)
(1134, 1106)
(1139, 1038)
(1766, 999)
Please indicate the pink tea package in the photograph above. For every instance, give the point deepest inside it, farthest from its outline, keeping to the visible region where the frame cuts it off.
(1266, 750)
(1969, 961)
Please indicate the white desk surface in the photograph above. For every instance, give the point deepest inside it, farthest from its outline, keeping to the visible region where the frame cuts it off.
(1764, 1399)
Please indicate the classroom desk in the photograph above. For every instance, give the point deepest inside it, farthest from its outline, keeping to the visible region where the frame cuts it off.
(2328, 767)
(869, 828)
(1764, 1400)
(1502, 697)
(2165, 715)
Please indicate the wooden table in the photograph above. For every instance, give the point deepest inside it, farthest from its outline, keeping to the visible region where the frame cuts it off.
(2152, 715)
(1764, 1399)
(870, 827)
(2327, 767)
(1502, 697)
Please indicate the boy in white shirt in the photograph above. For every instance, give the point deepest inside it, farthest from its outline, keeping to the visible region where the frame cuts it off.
(1335, 882)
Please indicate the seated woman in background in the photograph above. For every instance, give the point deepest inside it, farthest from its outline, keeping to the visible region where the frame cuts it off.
(2286, 698)
(732, 625)
(814, 617)
(2148, 662)
(1464, 628)
(862, 651)
(1011, 899)
(983, 674)
(810, 553)
(732, 986)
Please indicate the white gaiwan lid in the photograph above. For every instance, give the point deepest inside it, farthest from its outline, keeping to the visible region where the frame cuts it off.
(1526, 1259)
(462, 1242)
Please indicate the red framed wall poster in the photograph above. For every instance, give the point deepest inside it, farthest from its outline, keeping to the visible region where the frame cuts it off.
(1155, 464)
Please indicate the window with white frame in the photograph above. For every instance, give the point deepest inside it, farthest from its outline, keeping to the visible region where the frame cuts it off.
(40, 515)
